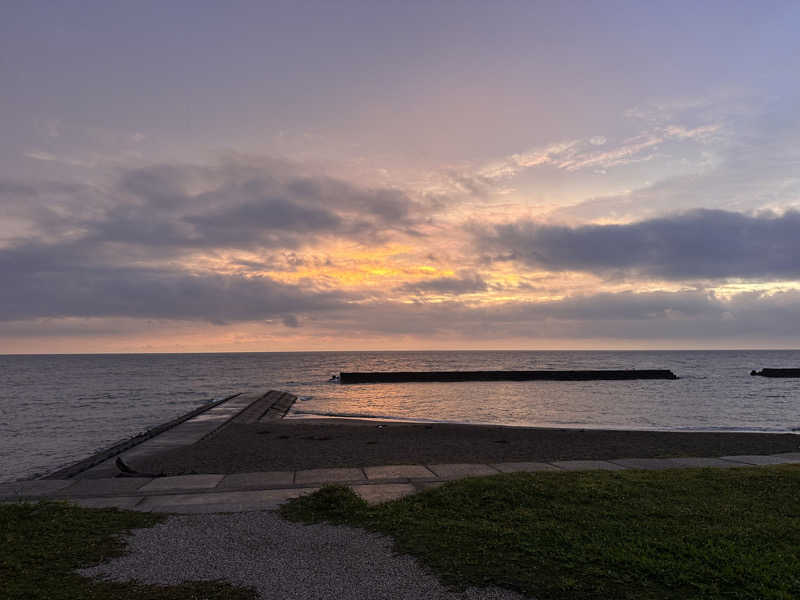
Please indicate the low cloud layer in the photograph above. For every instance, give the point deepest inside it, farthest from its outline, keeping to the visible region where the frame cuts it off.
(465, 283)
(246, 244)
(129, 249)
(691, 315)
(702, 244)
(237, 204)
(153, 293)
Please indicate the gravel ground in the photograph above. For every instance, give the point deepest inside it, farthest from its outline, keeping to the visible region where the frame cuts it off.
(305, 444)
(281, 560)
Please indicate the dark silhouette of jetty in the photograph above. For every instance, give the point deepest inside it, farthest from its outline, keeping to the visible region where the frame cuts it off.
(431, 376)
(777, 373)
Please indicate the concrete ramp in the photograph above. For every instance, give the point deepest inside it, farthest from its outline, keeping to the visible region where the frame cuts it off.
(196, 425)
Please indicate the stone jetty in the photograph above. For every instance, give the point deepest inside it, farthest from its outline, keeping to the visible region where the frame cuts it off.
(777, 373)
(437, 376)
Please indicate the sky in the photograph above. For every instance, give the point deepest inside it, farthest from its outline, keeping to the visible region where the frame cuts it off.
(191, 176)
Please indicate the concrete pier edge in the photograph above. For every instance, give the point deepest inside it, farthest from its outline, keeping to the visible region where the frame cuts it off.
(112, 451)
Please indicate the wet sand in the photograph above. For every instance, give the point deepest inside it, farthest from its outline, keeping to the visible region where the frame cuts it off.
(293, 444)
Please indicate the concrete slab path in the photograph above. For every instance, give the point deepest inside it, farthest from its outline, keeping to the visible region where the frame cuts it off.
(241, 492)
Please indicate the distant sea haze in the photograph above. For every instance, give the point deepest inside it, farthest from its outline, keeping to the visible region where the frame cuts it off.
(56, 409)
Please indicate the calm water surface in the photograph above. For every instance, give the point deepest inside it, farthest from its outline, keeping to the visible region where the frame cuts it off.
(60, 408)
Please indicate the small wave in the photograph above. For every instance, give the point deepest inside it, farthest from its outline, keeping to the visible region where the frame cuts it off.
(354, 415)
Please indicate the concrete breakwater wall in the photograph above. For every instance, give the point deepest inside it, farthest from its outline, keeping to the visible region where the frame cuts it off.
(777, 373)
(438, 376)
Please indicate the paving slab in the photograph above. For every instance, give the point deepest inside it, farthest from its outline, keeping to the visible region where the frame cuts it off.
(182, 482)
(399, 472)
(126, 502)
(221, 501)
(459, 470)
(428, 485)
(587, 465)
(328, 475)
(210, 416)
(524, 467)
(701, 461)
(43, 487)
(788, 457)
(648, 464)
(383, 492)
(10, 490)
(759, 459)
(105, 487)
(258, 480)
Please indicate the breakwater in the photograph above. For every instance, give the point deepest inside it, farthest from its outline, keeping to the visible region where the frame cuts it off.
(777, 373)
(449, 376)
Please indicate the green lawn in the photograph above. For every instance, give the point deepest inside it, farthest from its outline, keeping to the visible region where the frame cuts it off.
(41, 545)
(694, 533)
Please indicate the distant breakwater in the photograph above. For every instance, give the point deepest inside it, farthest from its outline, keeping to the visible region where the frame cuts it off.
(777, 372)
(450, 376)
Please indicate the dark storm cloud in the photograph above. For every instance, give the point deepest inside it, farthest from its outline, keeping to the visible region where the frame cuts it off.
(702, 244)
(466, 283)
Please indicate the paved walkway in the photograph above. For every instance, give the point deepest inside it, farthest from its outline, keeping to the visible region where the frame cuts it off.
(96, 481)
(208, 493)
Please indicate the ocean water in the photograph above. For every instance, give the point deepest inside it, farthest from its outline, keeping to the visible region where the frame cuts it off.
(56, 409)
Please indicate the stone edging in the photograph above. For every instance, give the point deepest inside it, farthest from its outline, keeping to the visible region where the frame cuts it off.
(267, 490)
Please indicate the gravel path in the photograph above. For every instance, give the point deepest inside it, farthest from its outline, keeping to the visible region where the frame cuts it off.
(281, 560)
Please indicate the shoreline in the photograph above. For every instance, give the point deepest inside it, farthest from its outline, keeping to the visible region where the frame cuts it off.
(310, 443)
(322, 417)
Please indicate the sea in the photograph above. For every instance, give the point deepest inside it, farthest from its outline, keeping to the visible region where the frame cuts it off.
(57, 409)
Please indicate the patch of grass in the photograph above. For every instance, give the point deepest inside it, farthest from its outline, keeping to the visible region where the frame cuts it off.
(42, 544)
(678, 534)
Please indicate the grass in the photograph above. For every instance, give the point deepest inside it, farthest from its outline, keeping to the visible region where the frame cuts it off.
(678, 534)
(42, 544)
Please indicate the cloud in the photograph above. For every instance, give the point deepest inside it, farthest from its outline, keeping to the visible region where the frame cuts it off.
(172, 243)
(236, 204)
(737, 155)
(598, 152)
(689, 316)
(291, 321)
(701, 244)
(465, 283)
(242, 205)
(136, 247)
(54, 288)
